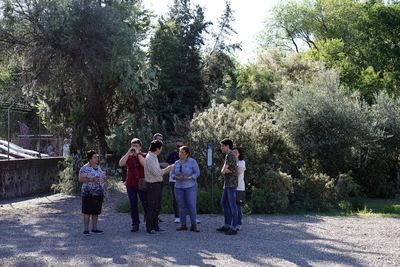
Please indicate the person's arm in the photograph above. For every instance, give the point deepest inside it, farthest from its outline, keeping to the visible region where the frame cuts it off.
(195, 169)
(172, 173)
(240, 170)
(167, 169)
(225, 169)
(164, 165)
(141, 159)
(124, 159)
(83, 178)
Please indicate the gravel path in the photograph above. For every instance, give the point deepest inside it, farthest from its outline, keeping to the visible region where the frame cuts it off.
(47, 231)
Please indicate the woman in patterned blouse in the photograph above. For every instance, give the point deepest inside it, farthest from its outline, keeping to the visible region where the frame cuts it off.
(93, 187)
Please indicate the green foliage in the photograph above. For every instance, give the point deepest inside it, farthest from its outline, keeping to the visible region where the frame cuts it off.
(326, 125)
(213, 125)
(271, 193)
(314, 192)
(359, 38)
(175, 51)
(208, 201)
(68, 182)
(84, 77)
(262, 80)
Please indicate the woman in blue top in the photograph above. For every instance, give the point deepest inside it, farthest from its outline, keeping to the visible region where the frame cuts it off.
(185, 173)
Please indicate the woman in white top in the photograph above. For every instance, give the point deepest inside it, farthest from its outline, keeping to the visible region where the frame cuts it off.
(240, 190)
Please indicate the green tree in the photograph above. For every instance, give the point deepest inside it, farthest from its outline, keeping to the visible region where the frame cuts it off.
(359, 38)
(83, 61)
(175, 51)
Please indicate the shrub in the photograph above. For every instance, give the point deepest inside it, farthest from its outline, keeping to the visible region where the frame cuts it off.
(314, 192)
(205, 205)
(348, 193)
(208, 202)
(271, 194)
(325, 124)
(68, 182)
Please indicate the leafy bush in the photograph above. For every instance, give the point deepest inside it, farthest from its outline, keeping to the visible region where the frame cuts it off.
(314, 192)
(271, 194)
(68, 182)
(326, 125)
(208, 202)
(348, 193)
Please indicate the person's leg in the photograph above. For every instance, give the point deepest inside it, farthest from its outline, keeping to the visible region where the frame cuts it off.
(86, 219)
(227, 215)
(240, 215)
(133, 201)
(174, 202)
(180, 197)
(151, 206)
(94, 222)
(158, 196)
(190, 197)
(227, 210)
(231, 194)
(143, 199)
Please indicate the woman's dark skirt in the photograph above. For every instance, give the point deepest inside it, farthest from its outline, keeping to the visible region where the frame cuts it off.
(92, 204)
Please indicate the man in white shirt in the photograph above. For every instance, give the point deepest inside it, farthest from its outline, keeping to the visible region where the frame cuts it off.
(154, 177)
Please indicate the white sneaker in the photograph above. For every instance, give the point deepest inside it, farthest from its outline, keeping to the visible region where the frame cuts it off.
(238, 227)
(198, 221)
(177, 220)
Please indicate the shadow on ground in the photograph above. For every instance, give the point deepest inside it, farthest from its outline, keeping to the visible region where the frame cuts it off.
(52, 234)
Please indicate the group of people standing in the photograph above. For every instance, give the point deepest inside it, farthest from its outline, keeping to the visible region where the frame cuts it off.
(144, 182)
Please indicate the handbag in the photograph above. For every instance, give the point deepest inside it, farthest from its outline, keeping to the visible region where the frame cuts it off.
(241, 198)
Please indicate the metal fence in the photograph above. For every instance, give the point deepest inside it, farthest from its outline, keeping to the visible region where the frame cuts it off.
(22, 127)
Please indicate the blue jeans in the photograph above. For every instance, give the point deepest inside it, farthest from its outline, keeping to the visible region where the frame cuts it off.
(186, 198)
(228, 203)
(240, 215)
(133, 193)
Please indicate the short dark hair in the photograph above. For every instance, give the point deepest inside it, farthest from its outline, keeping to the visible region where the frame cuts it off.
(90, 154)
(186, 149)
(157, 135)
(136, 141)
(241, 156)
(227, 142)
(155, 144)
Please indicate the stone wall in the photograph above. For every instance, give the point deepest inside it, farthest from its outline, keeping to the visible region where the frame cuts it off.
(25, 177)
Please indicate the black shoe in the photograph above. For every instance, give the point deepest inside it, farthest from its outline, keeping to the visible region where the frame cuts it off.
(86, 233)
(231, 232)
(182, 228)
(194, 228)
(98, 231)
(159, 220)
(159, 230)
(223, 229)
(135, 228)
(151, 232)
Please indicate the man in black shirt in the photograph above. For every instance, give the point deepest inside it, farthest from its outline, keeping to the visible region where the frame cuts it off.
(171, 158)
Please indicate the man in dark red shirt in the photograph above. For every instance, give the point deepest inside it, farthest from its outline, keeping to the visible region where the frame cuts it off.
(134, 160)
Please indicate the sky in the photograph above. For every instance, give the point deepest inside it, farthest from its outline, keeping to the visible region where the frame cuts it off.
(250, 16)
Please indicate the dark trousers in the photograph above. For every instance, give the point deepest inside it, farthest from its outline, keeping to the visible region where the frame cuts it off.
(133, 194)
(174, 202)
(153, 205)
